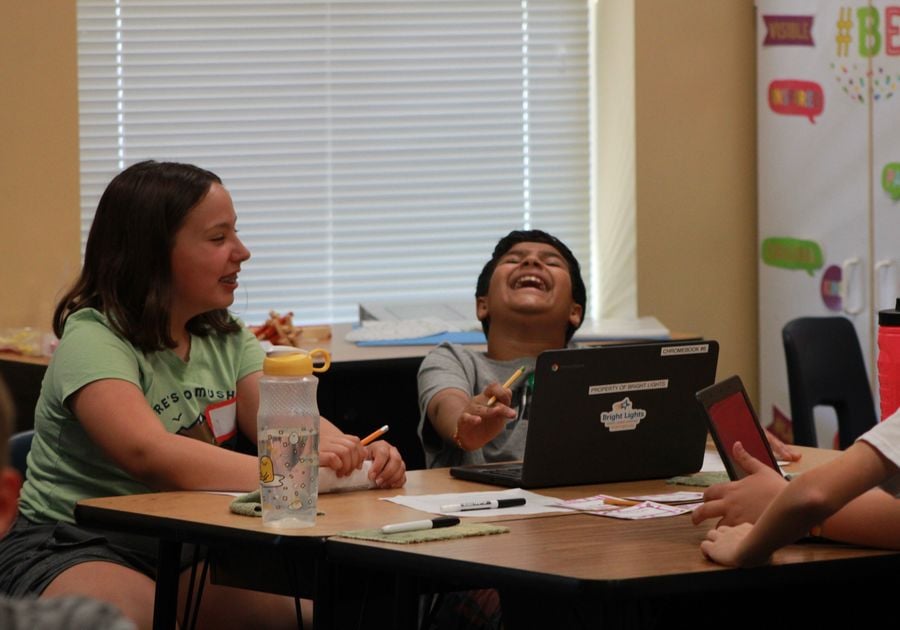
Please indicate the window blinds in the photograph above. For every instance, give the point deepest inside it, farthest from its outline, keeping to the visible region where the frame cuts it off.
(375, 151)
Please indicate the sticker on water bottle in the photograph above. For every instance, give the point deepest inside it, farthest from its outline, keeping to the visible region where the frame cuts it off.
(288, 468)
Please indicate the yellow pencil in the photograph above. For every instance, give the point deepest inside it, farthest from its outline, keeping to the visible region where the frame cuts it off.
(374, 435)
(512, 379)
(623, 502)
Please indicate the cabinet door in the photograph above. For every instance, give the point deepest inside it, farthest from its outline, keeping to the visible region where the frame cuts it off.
(813, 180)
(886, 153)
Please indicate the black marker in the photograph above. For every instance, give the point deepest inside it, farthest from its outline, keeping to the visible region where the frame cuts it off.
(488, 504)
(414, 526)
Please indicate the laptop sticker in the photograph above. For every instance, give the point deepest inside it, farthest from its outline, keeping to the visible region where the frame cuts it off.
(623, 417)
(635, 386)
(697, 348)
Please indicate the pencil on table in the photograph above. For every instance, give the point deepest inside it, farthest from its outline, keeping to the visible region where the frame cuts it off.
(622, 502)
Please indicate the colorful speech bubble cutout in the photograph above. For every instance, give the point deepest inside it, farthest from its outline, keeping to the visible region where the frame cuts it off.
(890, 180)
(788, 30)
(831, 288)
(793, 97)
(792, 253)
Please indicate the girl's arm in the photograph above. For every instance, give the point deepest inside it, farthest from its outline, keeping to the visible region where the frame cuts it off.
(337, 450)
(116, 416)
(805, 502)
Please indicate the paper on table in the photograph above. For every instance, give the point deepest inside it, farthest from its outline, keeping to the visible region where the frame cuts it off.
(534, 503)
(712, 462)
(671, 498)
(357, 480)
(598, 506)
(648, 509)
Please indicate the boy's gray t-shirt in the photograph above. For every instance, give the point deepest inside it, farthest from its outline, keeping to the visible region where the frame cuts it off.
(452, 366)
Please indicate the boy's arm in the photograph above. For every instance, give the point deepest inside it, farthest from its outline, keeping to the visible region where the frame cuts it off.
(805, 502)
(468, 421)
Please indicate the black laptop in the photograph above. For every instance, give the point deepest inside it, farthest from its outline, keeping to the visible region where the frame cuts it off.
(611, 413)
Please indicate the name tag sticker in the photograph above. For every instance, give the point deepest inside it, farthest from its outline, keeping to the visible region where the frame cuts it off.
(635, 386)
(697, 348)
(623, 417)
(222, 418)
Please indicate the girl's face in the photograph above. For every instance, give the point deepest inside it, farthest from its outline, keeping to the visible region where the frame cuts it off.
(206, 257)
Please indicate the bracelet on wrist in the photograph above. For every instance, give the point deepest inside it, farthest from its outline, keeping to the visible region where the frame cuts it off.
(456, 439)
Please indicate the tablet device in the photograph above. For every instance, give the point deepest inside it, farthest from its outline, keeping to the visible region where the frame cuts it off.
(732, 419)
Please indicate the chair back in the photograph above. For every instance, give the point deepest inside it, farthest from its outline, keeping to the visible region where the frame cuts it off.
(19, 445)
(825, 367)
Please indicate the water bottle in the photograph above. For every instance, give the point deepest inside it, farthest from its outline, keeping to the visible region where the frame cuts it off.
(288, 436)
(889, 360)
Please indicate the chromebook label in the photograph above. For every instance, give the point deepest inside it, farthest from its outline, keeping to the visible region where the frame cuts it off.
(672, 351)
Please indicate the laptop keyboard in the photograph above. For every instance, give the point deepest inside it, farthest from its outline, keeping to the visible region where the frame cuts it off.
(510, 471)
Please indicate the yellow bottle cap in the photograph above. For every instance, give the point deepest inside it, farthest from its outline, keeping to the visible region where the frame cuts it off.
(295, 362)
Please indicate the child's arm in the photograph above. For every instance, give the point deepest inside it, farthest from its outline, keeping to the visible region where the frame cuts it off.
(118, 419)
(337, 450)
(805, 502)
(468, 420)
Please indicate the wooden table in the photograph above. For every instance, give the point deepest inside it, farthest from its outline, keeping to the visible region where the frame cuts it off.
(176, 518)
(580, 562)
(580, 569)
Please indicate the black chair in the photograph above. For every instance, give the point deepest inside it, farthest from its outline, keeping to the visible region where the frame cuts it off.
(19, 445)
(825, 367)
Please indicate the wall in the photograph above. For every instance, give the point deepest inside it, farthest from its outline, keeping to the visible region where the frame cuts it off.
(38, 158)
(696, 173)
(695, 164)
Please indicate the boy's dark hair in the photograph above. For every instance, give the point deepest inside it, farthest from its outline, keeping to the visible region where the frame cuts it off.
(127, 272)
(579, 292)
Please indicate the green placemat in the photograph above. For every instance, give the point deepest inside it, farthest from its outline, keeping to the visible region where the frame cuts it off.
(702, 479)
(463, 530)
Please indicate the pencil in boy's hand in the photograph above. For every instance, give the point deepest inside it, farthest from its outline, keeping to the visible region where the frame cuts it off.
(512, 379)
(374, 435)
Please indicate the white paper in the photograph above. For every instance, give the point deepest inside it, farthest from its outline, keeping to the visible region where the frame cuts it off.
(431, 503)
(712, 462)
(357, 480)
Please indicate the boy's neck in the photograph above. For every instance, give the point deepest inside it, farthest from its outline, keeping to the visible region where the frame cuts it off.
(506, 344)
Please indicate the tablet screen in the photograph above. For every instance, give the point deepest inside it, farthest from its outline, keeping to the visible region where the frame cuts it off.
(732, 419)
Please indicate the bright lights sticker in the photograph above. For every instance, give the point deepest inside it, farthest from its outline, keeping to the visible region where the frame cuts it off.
(623, 417)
